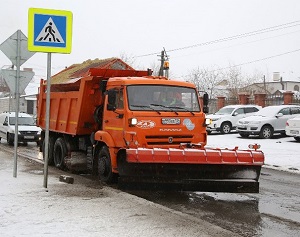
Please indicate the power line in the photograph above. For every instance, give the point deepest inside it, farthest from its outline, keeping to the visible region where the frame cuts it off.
(257, 60)
(235, 45)
(243, 35)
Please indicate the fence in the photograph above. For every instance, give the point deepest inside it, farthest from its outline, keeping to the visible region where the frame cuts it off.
(269, 100)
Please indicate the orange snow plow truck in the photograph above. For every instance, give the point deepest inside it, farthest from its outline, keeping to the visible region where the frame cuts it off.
(141, 131)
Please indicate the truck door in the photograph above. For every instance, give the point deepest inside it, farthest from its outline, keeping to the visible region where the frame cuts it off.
(113, 119)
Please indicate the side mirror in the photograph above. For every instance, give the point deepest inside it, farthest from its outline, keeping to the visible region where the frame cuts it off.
(205, 103)
(112, 95)
(279, 115)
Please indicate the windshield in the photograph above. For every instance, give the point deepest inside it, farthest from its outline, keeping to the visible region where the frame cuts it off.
(22, 121)
(225, 111)
(162, 98)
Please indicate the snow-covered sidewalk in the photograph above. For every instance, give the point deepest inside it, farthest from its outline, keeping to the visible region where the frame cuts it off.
(281, 153)
(83, 208)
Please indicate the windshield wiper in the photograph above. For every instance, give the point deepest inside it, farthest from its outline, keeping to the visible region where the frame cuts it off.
(164, 106)
(146, 106)
(185, 109)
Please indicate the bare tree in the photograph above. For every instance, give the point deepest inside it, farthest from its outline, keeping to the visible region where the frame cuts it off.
(129, 59)
(239, 82)
(206, 79)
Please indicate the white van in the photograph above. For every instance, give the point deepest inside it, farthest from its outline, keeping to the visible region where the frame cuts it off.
(27, 129)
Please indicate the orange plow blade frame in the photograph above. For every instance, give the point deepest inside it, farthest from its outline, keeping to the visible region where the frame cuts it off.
(189, 169)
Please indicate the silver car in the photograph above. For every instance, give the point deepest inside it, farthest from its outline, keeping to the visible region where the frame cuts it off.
(226, 118)
(293, 128)
(268, 121)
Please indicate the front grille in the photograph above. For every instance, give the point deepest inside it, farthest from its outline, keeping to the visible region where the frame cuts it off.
(239, 128)
(164, 140)
(28, 132)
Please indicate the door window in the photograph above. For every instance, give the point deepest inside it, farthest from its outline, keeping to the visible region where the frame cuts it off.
(239, 111)
(250, 110)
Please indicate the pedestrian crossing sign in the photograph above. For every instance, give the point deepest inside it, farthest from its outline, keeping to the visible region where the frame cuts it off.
(49, 30)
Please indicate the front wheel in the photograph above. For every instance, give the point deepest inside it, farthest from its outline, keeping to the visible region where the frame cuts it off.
(104, 166)
(297, 139)
(225, 128)
(244, 135)
(266, 132)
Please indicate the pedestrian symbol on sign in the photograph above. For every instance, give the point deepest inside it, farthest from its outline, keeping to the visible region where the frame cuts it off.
(50, 33)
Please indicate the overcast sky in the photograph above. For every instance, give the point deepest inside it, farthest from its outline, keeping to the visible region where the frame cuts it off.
(195, 33)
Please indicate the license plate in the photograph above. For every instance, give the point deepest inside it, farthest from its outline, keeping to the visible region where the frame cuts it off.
(28, 137)
(294, 132)
(170, 121)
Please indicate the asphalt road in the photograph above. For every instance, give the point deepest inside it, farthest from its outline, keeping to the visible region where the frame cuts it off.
(275, 211)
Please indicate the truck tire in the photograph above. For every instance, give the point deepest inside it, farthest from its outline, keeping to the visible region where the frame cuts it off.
(50, 150)
(10, 139)
(60, 152)
(98, 114)
(266, 132)
(105, 173)
(225, 128)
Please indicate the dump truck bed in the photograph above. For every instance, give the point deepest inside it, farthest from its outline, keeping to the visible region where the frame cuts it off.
(73, 102)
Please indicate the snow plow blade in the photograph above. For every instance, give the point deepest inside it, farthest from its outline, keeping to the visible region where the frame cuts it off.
(208, 170)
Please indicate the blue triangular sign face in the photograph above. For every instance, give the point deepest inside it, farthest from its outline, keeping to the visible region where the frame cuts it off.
(49, 33)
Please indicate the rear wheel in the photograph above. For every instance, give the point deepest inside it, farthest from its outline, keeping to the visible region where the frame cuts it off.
(297, 139)
(266, 132)
(104, 166)
(225, 128)
(50, 150)
(10, 139)
(60, 152)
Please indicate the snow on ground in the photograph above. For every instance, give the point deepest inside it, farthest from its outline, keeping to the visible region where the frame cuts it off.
(281, 153)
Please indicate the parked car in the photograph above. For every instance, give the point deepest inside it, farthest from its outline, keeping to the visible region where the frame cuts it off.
(292, 128)
(226, 118)
(27, 129)
(268, 121)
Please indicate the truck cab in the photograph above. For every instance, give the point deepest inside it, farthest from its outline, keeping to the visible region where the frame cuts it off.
(141, 114)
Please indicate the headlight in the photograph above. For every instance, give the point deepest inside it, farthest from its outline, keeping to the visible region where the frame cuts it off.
(208, 121)
(133, 122)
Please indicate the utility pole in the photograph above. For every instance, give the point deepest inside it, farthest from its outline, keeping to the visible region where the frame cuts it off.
(162, 60)
(164, 64)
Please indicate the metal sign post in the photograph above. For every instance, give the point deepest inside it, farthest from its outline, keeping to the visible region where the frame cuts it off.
(46, 158)
(14, 49)
(17, 96)
(49, 31)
